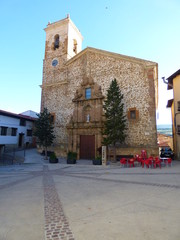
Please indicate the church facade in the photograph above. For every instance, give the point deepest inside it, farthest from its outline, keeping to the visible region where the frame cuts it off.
(75, 84)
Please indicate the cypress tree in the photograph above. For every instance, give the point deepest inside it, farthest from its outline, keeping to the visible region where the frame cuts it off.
(115, 122)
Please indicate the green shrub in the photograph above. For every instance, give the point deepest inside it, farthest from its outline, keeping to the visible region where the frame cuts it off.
(98, 158)
(53, 156)
(72, 155)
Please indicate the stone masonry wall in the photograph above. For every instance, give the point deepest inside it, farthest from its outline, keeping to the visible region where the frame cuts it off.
(138, 92)
(136, 81)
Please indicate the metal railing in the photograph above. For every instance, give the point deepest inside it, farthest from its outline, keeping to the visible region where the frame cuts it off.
(12, 156)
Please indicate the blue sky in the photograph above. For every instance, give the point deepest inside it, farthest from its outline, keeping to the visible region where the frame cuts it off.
(147, 29)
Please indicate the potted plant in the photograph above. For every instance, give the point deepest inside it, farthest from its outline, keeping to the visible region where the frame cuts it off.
(53, 158)
(97, 161)
(71, 157)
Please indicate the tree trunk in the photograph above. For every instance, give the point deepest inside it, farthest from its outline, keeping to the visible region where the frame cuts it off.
(114, 155)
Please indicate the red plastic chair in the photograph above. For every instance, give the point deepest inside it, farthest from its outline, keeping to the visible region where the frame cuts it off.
(157, 162)
(123, 161)
(168, 162)
(138, 159)
(143, 162)
(148, 162)
(151, 160)
(143, 154)
(131, 162)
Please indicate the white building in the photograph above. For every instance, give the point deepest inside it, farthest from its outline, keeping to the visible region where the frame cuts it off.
(15, 130)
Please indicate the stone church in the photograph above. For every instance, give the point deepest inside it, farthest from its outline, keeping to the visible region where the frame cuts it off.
(75, 84)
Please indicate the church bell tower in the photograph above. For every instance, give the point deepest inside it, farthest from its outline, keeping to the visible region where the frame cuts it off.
(63, 41)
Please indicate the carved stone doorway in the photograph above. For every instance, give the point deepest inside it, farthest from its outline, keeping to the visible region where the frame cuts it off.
(86, 123)
(87, 147)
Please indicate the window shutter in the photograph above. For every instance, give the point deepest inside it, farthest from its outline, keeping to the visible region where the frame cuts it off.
(135, 112)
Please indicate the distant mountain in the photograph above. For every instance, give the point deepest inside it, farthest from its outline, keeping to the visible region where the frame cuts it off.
(164, 125)
(165, 129)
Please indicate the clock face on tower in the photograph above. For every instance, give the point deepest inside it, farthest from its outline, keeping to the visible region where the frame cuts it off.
(54, 62)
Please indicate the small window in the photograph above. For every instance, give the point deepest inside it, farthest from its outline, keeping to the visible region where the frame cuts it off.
(13, 131)
(178, 105)
(88, 93)
(133, 114)
(4, 131)
(29, 132)
(22, 122)
(178, 129)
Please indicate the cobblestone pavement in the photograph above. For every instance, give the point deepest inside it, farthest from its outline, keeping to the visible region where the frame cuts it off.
(85, 202)
(56, 224)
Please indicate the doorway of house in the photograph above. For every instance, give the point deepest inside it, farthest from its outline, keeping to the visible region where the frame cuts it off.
(87, 146)
(21, 138)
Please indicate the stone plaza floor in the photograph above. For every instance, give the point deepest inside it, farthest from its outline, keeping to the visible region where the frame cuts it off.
(46, 201)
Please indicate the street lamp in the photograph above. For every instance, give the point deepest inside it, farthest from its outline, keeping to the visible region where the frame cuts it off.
(167, 82)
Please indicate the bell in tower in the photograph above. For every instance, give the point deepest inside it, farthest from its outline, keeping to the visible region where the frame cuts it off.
(56, 42)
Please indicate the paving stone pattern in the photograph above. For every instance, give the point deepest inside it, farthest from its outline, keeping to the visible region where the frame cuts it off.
(56, 224)
(127, 182)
